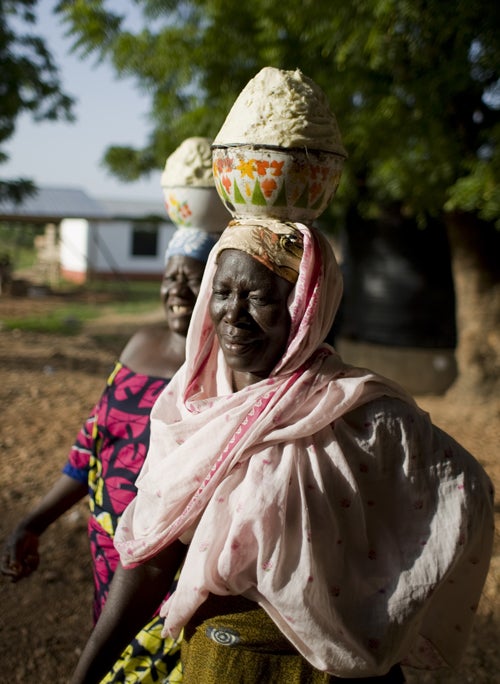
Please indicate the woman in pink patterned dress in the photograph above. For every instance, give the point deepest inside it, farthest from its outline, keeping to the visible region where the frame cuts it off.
(111, 447)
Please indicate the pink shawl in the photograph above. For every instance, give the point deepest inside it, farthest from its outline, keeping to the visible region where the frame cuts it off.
(322, 493)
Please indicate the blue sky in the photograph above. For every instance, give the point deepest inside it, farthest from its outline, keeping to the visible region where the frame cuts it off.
(108, 111)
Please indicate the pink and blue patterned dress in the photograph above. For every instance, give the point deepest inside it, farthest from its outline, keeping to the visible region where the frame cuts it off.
(108, 454)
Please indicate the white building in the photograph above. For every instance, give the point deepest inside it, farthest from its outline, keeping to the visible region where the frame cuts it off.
(98, 238)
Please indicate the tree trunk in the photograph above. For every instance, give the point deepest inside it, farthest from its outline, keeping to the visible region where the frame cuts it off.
(475, 254)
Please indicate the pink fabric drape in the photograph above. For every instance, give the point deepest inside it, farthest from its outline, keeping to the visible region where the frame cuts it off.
(323, 493)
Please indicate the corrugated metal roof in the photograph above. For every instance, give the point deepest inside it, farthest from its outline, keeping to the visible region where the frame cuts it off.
(132, 209)
(55, 204)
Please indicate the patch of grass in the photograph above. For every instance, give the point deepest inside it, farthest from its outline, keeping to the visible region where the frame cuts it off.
(126, 291)
(66, 320)
(68, 317)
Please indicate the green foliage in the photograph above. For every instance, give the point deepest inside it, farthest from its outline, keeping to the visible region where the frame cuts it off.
(29, 82)
(14, 235)
(414, 84)
(17, 241)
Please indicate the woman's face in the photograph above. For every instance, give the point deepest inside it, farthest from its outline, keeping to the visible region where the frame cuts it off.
(179, 289)
(248, 307)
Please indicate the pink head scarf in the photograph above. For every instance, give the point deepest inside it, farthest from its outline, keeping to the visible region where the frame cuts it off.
(321, 493)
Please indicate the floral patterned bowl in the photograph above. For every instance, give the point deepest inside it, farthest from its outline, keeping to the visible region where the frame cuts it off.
(263, 181)
(195, 207)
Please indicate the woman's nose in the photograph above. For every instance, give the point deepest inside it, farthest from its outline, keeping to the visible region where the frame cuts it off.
(178, 280)
(235, 309)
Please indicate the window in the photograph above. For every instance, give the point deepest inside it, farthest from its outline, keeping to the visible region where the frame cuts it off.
(145, 239)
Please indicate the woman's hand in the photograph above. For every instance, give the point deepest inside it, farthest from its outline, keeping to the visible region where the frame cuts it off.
(20, 555)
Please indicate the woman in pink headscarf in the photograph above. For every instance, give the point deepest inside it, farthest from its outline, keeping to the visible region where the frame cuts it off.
(327, 529)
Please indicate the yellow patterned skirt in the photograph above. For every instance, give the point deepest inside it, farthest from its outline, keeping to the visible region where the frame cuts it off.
(148, 659)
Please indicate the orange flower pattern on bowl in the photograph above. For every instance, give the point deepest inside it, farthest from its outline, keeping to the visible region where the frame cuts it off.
(293, 184)
(195, 207)
(178, 211)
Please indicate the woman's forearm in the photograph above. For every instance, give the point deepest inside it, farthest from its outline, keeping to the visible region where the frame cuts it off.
(65, 493)
(134, 596)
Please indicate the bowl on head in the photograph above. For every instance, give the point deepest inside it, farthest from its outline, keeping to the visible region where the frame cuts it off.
(195, 207)
(263, 181)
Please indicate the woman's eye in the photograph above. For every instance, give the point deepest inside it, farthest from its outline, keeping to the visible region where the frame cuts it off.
(260, 299)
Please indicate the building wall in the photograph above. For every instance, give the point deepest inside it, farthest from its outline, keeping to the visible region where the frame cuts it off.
(104, 249)
(112, 250)
(73, 237)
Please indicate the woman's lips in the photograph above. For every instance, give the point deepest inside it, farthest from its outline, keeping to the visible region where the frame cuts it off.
(178, 306)
(237, 343)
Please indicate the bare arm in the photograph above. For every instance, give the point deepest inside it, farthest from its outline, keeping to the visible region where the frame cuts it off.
(134, 596)
(20, 552)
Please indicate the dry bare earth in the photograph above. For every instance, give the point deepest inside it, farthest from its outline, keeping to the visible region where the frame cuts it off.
(47, 386)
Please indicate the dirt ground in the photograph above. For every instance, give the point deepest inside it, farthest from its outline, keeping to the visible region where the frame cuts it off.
(47, 386)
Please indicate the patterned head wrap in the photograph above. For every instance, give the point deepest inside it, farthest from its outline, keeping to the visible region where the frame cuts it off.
(279, 246)
(190, 242)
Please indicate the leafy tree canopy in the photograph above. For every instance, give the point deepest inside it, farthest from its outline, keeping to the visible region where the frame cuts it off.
(29, 82)
(415, 85)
